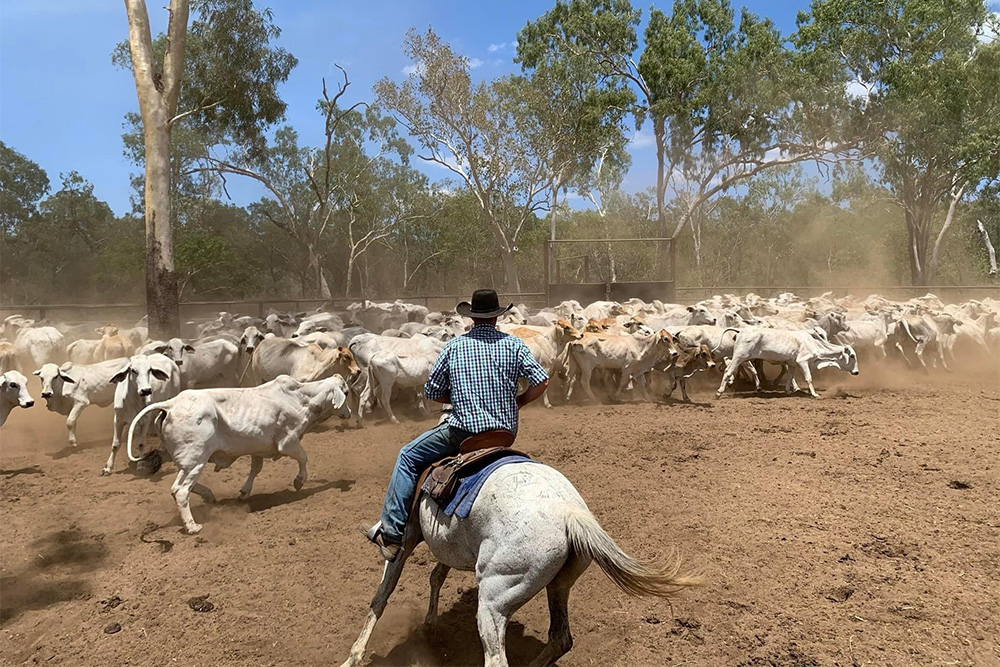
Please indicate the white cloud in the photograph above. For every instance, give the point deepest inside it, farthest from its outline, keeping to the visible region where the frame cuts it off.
(772, 154)
(474, 63)
(642, 139)
(413, 68)
(493, 48)
(496, 61)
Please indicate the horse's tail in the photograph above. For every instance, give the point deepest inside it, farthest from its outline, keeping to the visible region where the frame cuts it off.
(634, 577)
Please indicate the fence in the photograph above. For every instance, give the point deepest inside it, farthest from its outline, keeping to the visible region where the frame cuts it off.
(126, 313)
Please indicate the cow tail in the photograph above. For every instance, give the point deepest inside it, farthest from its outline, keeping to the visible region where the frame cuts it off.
(163, 405)
(724, 332)
(906, 328)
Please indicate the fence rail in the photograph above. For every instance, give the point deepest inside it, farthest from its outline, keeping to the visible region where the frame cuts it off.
(197, 309)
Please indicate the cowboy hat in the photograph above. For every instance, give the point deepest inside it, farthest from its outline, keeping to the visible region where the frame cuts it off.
(485, 305)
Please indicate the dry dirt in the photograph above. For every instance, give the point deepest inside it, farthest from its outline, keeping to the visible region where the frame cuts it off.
(859, 529)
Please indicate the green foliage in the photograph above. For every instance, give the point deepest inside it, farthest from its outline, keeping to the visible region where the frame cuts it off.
(22, 185)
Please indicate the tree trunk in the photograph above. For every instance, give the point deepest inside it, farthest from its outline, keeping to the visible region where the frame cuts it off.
(659, 130)
(316, 269)
(956, 197)
(991, 253)
(552, 229)
(510, 270)
(157, 93)
(162, 297)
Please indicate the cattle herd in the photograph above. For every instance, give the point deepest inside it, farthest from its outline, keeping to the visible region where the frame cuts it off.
(249, 386)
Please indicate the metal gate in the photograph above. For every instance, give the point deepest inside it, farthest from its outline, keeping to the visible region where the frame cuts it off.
(557, 289)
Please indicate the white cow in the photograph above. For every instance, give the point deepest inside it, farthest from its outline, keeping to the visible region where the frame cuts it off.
(70, 388)
(8, 357)
(82, 351)
(13, 394)
(806, 349)
(210, 364)
(680, 316)
(141, 380)
(304, 362)
(386, 369)
(251, 338)
(202, 426)
(633, 356)
(39, 345)
(319, 322)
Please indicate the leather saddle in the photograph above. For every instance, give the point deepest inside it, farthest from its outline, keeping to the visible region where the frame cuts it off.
(475, 452)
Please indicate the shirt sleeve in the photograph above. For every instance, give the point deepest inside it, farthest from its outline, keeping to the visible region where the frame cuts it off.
(531, 370)
(439, 381)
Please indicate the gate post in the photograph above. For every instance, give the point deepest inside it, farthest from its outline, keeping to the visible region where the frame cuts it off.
(546, 252)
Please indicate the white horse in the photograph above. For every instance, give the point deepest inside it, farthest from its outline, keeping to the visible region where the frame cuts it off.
(528, 529)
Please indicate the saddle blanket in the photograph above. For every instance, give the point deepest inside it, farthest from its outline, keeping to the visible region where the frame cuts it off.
(468, 487)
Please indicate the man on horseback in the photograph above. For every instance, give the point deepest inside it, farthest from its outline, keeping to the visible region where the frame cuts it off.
(478, 374)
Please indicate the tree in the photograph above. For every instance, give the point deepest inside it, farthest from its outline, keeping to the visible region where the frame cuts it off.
(230, 87)
(481, 133)
(308, 188)
(22, 185)
(725, 98)
(582, 121)
(931, 77)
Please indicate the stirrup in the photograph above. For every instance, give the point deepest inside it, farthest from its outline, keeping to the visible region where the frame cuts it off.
(374, 535)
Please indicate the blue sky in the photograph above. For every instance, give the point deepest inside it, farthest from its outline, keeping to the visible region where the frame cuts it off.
(62, 102)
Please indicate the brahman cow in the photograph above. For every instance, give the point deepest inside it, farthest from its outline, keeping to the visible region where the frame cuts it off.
(141, 380)
(13, 394)
(70, 388)
(201, 426)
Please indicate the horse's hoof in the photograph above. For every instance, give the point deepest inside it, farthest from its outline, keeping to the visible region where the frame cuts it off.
(297, 483)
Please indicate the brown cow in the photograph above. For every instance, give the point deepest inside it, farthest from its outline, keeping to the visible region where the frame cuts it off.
(689, 361)
(113, 345)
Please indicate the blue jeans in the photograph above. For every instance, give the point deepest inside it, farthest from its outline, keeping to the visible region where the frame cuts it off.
(431, 446)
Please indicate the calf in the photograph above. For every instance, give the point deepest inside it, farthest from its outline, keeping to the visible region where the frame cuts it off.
(689, 361)
(201, 426)
(112, 344)
(70, 388)
(142, 380)
(13, 394)
(806, 349)
(632, 355)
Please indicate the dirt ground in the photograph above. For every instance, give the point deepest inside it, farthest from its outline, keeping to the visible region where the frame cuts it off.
(859, 529)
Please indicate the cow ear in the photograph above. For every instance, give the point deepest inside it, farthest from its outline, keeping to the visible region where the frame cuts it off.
(66, 378)
(243, 341)
(38, 372)
(159, 375)
(161, 349)
(188, 348)
(120, 375)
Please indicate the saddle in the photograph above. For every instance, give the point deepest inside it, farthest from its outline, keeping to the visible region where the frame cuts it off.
(475, 452)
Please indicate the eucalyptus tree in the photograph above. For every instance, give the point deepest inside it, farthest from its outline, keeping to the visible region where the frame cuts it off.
(480, 132)
(928, 77)
(727, 99)
(220, 74)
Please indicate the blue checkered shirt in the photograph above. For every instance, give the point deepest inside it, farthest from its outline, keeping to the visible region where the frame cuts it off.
(480, 371)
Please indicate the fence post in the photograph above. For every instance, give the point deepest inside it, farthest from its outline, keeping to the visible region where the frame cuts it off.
(546, 252)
